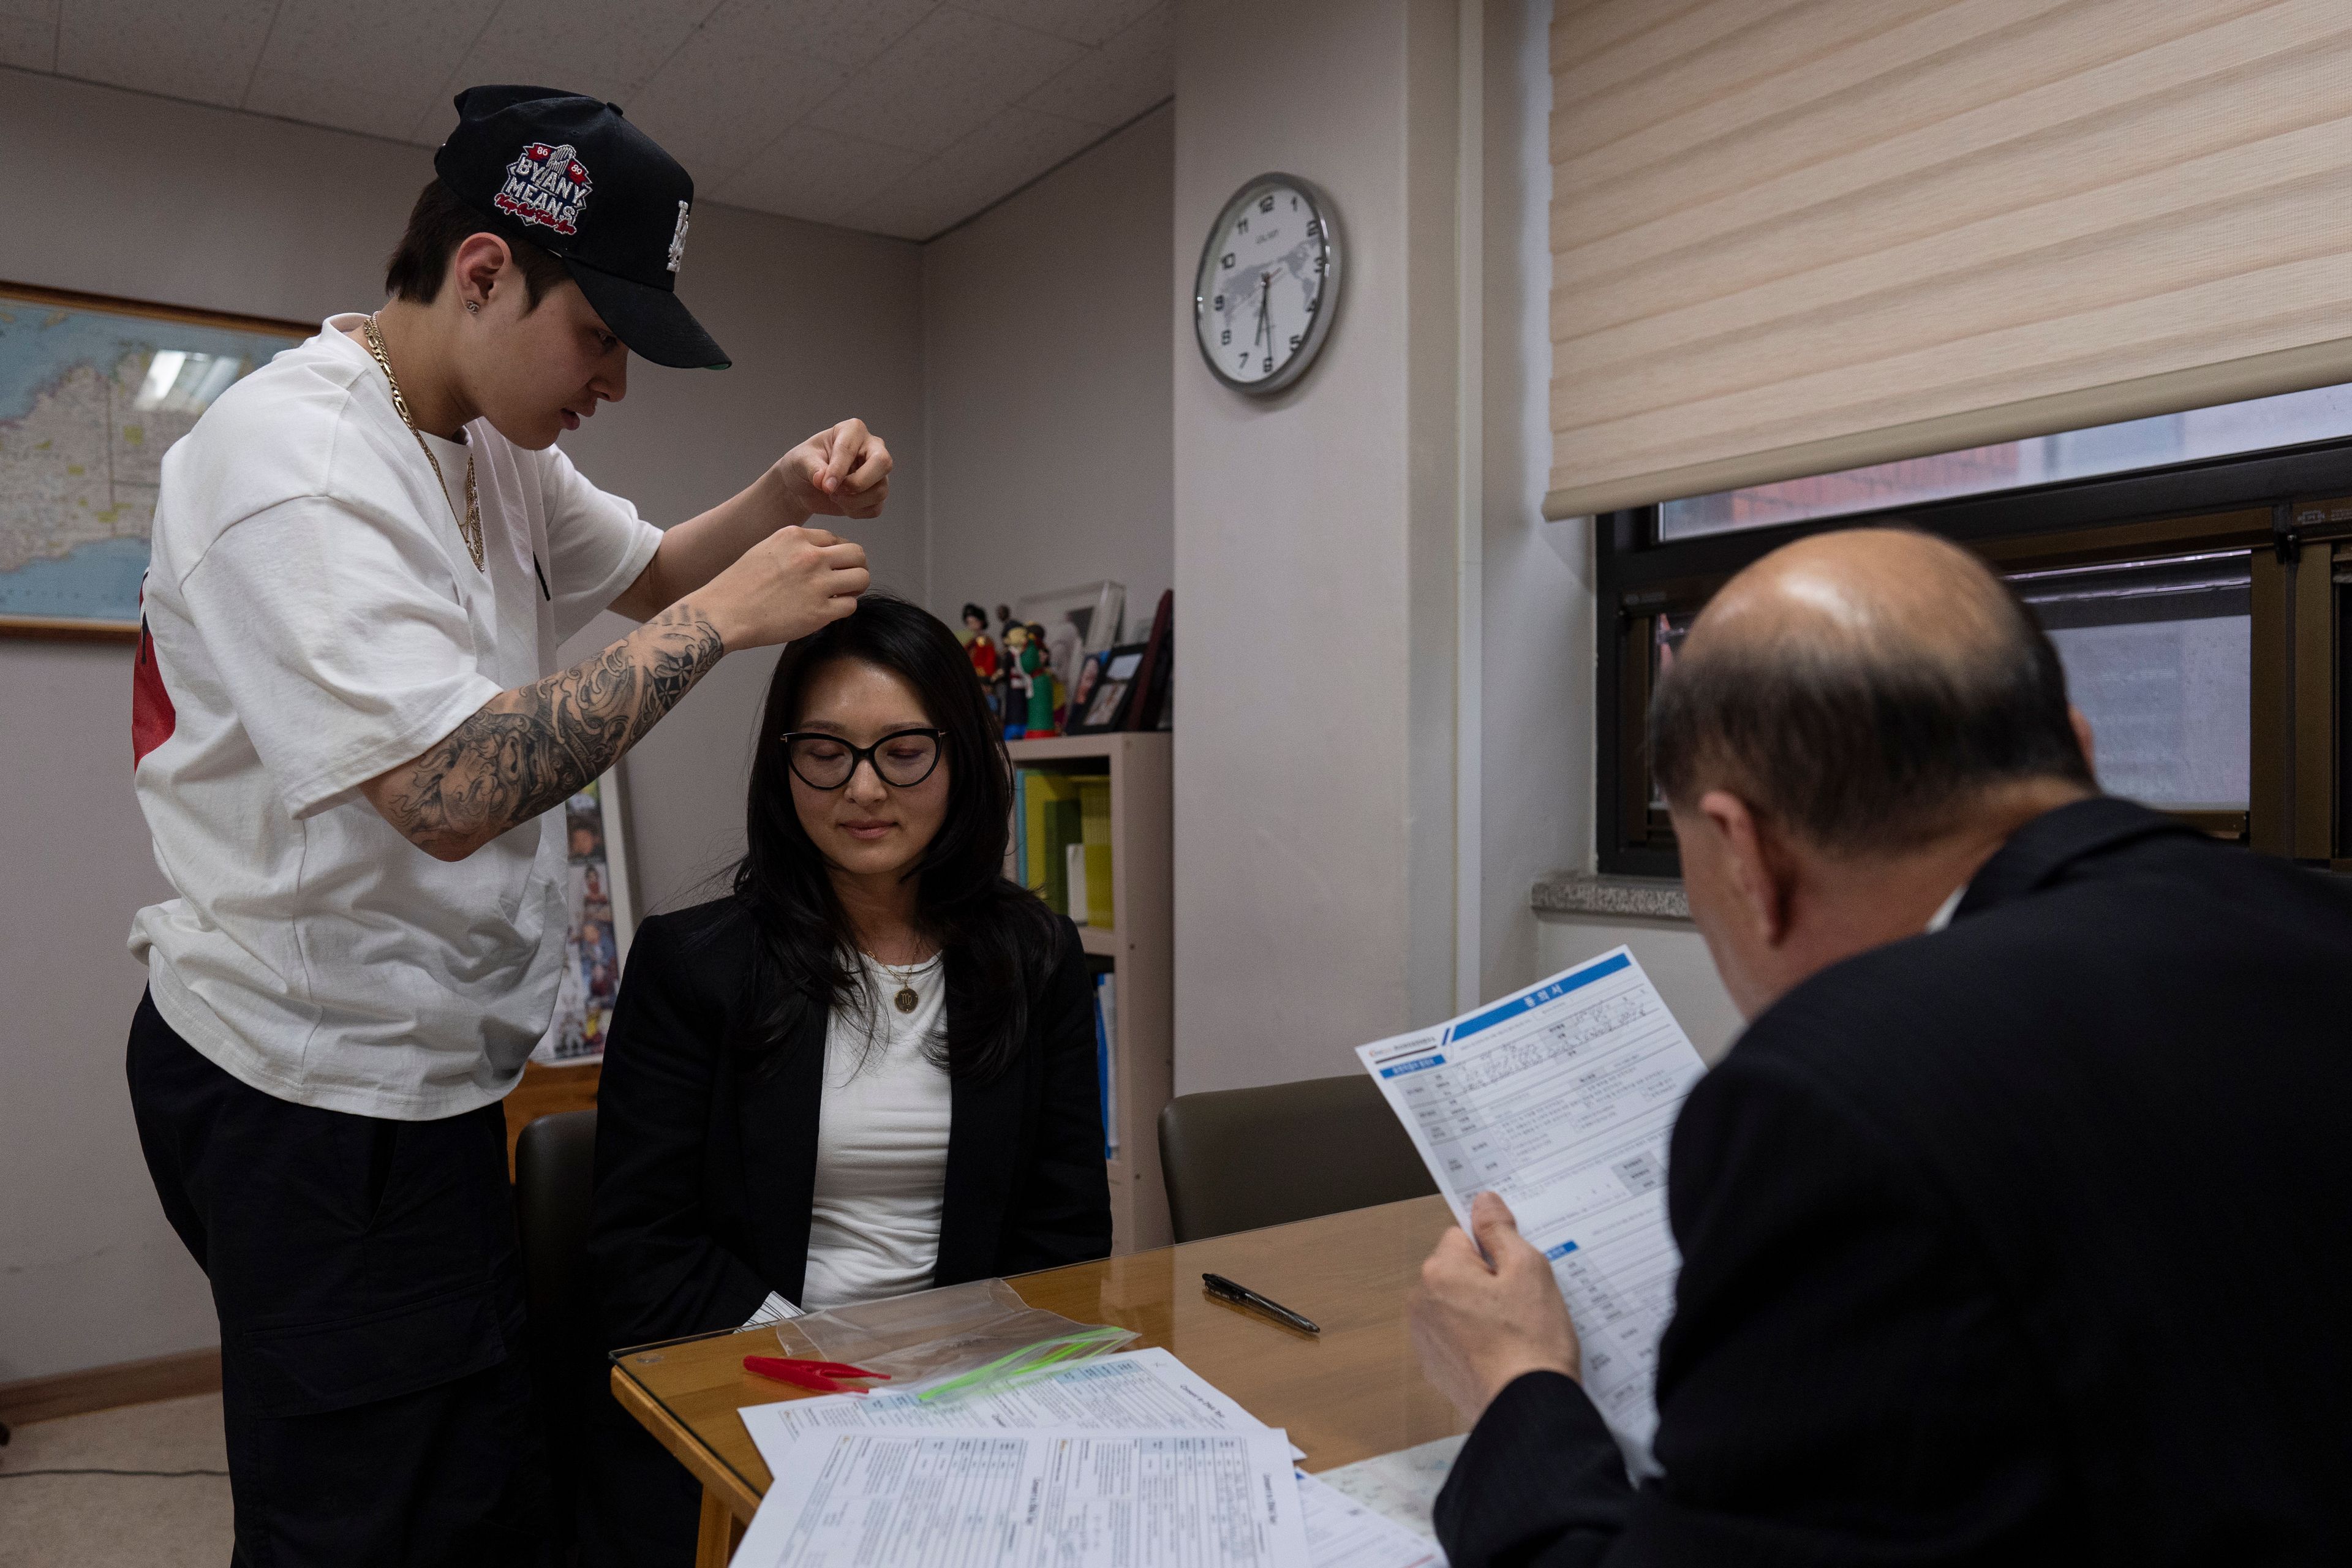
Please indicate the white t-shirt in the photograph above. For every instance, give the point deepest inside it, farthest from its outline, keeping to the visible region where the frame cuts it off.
(881, 1145)
(316, 619)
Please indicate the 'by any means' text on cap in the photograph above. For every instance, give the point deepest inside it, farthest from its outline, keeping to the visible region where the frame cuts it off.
(570, 175)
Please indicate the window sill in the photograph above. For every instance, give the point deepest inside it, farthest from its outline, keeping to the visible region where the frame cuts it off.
(1586, 893)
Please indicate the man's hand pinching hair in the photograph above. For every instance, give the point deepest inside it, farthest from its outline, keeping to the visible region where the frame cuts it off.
(844, 471)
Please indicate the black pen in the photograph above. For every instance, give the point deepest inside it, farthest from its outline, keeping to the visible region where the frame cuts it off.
(1241, 1295)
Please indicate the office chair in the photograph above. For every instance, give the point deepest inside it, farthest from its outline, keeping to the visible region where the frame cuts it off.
(555, 1179)
(1240, 1158)
(555, 1176)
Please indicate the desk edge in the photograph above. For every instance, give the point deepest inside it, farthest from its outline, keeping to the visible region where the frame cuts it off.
(705, 1465)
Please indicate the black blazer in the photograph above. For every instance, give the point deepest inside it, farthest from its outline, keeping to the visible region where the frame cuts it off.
(2029, 1241)
(706, 1160)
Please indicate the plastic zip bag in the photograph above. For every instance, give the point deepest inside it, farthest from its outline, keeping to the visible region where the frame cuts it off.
(957, 1339)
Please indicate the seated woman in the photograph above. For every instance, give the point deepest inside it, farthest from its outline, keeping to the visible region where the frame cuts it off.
(868, 1070)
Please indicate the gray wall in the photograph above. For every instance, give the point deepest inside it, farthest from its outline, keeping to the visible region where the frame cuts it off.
(1034, 372)
(823, 325)
(275, 219)
(1313, 578)
(1045, 367)
(1315, 904)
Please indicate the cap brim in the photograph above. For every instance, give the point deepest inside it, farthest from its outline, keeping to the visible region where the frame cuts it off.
(653, 321)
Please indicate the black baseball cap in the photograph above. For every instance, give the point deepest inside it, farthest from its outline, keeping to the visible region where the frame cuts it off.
(570, 175)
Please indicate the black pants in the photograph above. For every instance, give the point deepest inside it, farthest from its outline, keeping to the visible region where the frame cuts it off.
(375, 1389)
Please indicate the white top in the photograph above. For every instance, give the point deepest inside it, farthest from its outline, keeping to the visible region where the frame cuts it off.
(881, 1145)
(316, 619)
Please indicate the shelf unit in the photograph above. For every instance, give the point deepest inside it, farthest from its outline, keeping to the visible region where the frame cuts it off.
(1139, 944)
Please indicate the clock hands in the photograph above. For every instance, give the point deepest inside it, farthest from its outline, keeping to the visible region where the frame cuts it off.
(1273, 353)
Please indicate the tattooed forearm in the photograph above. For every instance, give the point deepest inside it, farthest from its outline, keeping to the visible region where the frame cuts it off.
(530, 748)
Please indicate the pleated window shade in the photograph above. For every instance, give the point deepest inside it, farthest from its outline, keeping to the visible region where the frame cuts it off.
(1792, 236)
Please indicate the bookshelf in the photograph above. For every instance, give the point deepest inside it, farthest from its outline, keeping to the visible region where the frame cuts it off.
(1139, 947)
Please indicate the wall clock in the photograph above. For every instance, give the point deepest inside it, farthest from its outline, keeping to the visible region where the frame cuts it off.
(1268, 284)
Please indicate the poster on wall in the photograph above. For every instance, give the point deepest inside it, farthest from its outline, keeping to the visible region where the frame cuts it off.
(93, 391)
(602, 918)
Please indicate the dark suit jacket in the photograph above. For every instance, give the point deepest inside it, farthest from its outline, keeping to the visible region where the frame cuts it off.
(706, 1160)
(2028, 1241)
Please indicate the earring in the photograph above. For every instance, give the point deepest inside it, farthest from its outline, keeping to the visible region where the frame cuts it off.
(473, 304)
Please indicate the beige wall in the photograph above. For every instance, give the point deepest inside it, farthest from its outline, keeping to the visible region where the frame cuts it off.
(1536, 683)
(1313, 545)
(274, 220)
(1046, 368)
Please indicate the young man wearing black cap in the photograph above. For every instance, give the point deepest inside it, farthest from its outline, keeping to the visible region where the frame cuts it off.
(349, 730)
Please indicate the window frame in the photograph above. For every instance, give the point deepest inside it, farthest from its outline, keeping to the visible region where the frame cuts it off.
(2291, 509)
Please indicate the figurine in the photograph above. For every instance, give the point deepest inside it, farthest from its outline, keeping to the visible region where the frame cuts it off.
(1042, 681)
(1021, 660)
(979, 645)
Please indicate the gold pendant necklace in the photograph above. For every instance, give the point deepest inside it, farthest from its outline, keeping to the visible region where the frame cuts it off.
(906, 1001)
(469, 527)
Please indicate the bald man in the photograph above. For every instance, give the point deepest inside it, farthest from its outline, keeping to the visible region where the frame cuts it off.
(2017, 1226)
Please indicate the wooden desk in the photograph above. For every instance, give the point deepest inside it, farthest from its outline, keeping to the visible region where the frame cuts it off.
(1348, 1394)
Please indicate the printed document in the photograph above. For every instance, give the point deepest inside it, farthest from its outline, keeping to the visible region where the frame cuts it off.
(1136, 1391)
(1560, 1099)
(1344, 1533)
(1004, 1498)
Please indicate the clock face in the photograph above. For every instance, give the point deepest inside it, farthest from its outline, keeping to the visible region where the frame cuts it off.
(1268, 281)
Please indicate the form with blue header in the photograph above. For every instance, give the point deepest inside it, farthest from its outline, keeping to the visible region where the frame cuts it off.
(1560, 1099)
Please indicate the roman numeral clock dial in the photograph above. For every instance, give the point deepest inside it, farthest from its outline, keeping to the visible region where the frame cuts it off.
(1268, 284)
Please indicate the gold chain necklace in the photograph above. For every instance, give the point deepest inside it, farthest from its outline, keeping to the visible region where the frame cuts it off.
(469, 527)
(906, 1001)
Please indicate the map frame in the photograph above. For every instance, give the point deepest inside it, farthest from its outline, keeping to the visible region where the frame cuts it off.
(76, 628)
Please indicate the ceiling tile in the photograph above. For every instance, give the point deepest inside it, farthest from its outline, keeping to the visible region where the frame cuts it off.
(900, 116)
(908, 214)
(28, 33)
(379, 71)
(998, 159)
(1080, 21)
(1120, 80)
(199, 49)
(605, 48)
(943, 80)
(846, 32)
(814, 174)
(729, 90)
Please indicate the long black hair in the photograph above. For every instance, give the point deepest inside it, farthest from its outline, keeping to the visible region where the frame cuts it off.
(999, 941)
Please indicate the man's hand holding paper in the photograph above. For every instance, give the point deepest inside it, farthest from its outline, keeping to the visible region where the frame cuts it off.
(1555, 1104)
(1478, 1324)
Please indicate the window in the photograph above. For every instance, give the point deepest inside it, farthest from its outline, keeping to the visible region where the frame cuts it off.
(2198, 606)
(2159, 657)
(2231, 429)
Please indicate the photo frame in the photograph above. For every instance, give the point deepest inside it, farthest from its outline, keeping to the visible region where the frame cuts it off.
(601, 895)
(93, 390)
(1112, 695)
(1155, 707)
(1080, 622)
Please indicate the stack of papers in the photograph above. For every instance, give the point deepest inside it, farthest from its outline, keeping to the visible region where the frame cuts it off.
(1560, 1099)
(1131, 1459)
